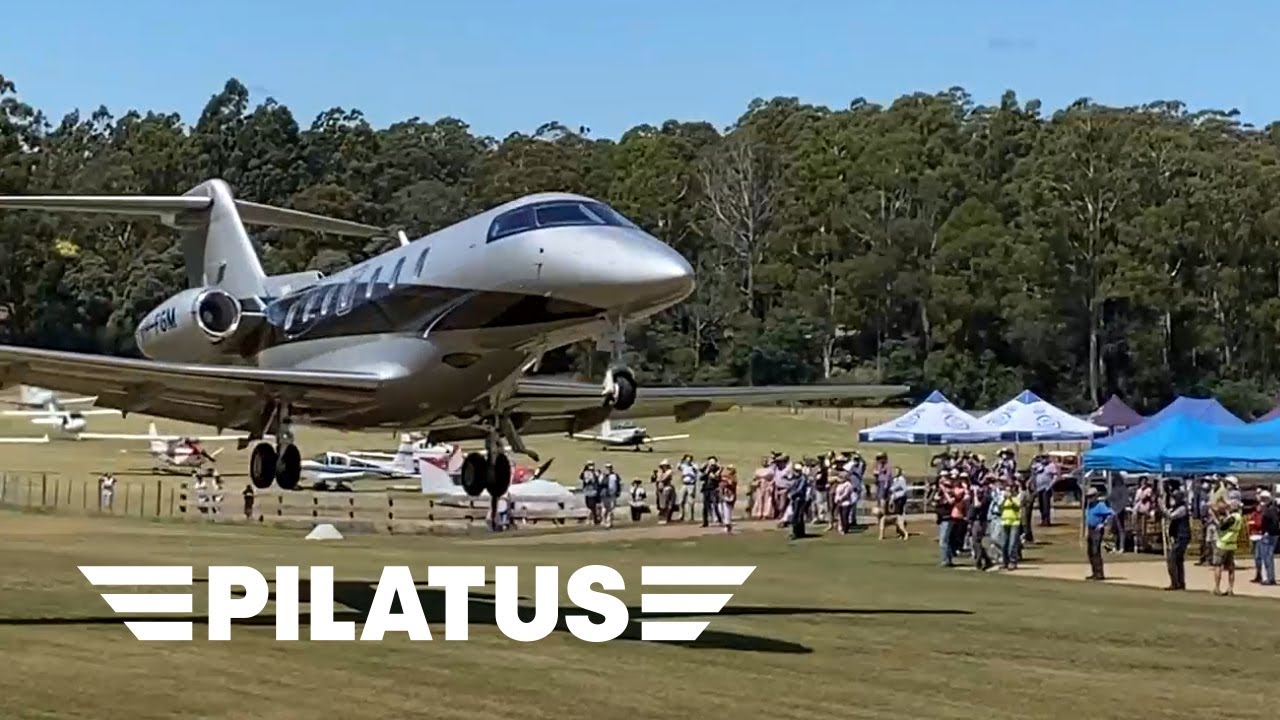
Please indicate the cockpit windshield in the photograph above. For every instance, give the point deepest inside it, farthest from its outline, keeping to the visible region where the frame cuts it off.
(555, 213)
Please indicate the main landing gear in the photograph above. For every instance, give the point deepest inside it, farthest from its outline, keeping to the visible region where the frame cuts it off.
(281, 464)
(491, 470)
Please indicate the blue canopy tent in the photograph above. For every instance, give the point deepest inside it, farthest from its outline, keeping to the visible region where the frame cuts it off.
(933, 422)
(1185, 445)
(1207, 410)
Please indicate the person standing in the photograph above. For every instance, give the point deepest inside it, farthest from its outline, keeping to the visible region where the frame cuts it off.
(1179, 516)
(1097, 517)
(798, 496)
(728, 496)
(710, 472)
(979, 513)
(248, 495)
(688, 487)
(1270, 537)
(942, 506)
(1010, 524)
(1046, 476)
(590, 480)
(1225, 549)
(610, 490)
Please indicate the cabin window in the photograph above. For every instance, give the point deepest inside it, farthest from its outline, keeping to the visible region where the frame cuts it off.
(330, 295)
(395, 274)
(565, 213)
(313, 305)
(291, 317)
(422, 262)
(512, 222)
(348, 296)
(373, 283)
(609, 215)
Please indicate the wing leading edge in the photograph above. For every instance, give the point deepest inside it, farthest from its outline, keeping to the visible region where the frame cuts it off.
(216, 395)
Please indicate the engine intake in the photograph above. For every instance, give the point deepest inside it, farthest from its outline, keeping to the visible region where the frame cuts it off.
(217, 314)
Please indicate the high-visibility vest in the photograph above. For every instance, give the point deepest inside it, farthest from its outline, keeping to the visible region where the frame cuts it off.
(1227, 538)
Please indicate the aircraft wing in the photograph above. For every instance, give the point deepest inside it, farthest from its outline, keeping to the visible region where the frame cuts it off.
(25, 440)
(665, 438)
(115, 436)
(555, 405)
(221, 396)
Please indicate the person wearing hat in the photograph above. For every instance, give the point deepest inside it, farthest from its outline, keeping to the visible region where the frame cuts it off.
(1225, 548)
(1096, 518)
(1270, 536)
(610, 490)
(798, 496)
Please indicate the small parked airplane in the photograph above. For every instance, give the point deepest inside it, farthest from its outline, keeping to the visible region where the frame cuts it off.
(44, 407)
(625, 435)
(182, 452)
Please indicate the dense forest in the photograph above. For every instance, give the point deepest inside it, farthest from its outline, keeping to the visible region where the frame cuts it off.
(936, 241)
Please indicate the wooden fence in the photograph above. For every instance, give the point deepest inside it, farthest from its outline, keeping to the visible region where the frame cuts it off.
(393, 512)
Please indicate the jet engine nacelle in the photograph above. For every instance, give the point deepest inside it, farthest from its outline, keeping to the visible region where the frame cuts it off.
(196, 325)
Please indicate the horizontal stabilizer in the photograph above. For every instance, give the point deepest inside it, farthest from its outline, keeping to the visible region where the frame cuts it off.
(179, 210)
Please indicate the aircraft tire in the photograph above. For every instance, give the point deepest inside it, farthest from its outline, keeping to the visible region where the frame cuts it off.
(500, 480)
(625, 395)
(290, 468)
(262, 466)
(475, 472)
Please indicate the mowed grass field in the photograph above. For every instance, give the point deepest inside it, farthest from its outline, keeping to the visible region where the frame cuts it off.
(833, 627)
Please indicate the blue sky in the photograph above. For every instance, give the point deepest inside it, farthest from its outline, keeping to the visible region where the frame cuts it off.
(506, 65)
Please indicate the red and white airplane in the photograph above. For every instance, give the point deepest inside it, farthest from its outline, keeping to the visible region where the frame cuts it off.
(172, 452)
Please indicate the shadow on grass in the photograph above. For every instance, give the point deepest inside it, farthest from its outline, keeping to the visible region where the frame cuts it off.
(481, 610)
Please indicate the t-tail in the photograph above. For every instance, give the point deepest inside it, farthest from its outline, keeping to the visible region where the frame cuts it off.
(227, 287)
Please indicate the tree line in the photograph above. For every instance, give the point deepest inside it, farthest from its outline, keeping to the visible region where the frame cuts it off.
(935, 241)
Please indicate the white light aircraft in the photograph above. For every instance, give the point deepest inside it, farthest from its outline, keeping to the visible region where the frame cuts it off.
(625, 435)
(44, 407)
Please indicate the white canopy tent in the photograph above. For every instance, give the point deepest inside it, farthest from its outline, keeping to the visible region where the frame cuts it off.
(933, 422)
(1027, 418)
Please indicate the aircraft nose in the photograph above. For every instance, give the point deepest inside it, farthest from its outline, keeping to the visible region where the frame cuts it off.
(661, 274)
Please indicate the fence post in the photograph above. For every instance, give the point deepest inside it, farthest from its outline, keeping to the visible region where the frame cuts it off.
(4, 487)
(159, 496)
(172, 510)
(26, 502)
(44, 490)
(142, 506)
(84, 495)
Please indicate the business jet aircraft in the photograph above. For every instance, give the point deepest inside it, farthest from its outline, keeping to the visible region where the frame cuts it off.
(625, 435)
(44, 407)
(435, 334)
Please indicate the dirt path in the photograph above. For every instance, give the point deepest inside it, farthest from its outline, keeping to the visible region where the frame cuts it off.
(622, 533)
(1151, 574)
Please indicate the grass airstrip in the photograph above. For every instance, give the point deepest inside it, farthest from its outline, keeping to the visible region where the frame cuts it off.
(831, 627)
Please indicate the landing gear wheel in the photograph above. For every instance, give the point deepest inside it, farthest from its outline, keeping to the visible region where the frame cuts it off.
(262, 466)
(500, 480)
(475, 473)
(625, 394)
(290, 468)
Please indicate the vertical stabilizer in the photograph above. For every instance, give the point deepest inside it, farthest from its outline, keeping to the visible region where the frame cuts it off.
(216, 248)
